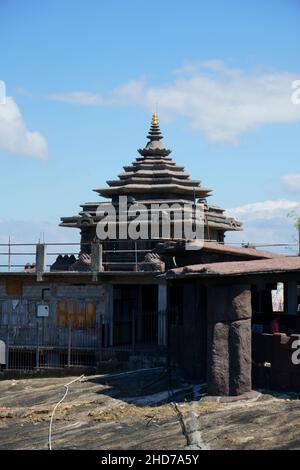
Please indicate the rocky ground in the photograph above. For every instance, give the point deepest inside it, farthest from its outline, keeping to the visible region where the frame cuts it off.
(136, 411)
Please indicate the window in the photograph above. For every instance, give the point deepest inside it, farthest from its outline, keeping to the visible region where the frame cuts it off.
(14, 287)
(78, 315)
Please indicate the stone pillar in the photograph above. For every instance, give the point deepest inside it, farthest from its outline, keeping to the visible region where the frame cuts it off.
(2, 353)
(229, 339)
(162, 314)
(96, 260)
(41, 255)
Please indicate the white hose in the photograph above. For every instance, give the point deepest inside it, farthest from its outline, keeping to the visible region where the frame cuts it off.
(81, 377)
(56, 406)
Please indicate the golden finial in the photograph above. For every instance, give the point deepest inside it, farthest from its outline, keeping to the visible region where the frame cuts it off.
(154, 121)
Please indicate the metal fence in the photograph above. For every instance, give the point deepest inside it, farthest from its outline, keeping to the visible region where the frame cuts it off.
(30, 347)
(39, 346)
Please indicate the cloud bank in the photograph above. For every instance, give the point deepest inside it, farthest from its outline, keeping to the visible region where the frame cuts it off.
(221, 102)
(15, 138)
(267, 222)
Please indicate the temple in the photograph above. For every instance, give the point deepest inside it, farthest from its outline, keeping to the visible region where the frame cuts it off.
(153, 178)
(168, 300)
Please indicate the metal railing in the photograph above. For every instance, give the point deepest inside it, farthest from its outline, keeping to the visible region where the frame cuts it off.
(19, 257)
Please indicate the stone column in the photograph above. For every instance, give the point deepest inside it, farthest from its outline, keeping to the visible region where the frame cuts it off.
(2, 353)
(229, 339)
(96, 260)
(41, 255)
(162, 314)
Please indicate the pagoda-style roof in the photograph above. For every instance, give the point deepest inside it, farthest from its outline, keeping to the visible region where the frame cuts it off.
(154, 173)
(154, 178)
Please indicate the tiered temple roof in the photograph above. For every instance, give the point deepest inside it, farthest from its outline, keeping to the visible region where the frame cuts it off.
(154, 177)
(154, 173)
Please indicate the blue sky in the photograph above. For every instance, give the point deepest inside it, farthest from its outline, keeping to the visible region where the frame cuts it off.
(82, 79)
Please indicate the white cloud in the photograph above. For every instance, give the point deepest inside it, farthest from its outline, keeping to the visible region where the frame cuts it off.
(14, 136)
(77, 97)
(265, 210)
(220, 101)
(134, 93)
(267, 222)
(292, 182)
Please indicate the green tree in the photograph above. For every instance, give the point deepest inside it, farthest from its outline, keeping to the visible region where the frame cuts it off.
(296, 223)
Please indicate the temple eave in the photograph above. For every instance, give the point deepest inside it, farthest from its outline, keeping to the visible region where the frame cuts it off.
(153, 181)
(155, 172)
(154, 152)
(226, 225)
(237, 227)
(155, 188)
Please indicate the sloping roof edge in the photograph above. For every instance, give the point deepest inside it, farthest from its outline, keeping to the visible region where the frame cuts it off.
(282, 264)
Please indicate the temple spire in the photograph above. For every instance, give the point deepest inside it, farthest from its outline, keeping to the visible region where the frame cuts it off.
(154, 121)
(154, 132)
(154, 147)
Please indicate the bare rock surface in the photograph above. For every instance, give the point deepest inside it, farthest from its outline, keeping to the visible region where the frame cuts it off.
(135, 411)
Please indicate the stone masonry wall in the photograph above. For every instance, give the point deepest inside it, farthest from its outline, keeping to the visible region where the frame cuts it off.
(22, 308)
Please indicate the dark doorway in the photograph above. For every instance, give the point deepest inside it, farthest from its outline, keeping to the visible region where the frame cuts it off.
(135, 314)
(149, 314)
(125, 310)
